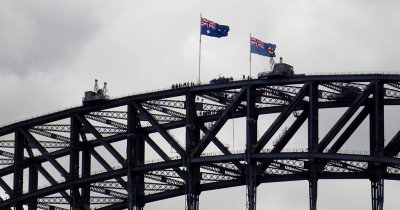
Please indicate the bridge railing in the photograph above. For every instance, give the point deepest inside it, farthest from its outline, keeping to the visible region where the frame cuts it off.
(353, 73)
(117, 166)
(207, 83)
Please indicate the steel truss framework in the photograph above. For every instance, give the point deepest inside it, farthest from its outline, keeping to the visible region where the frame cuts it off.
(62, 149)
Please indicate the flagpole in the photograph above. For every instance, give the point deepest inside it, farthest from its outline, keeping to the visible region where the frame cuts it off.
(199, 51)
(250, 56)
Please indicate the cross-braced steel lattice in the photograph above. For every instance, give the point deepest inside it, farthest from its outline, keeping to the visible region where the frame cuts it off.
(126, 152)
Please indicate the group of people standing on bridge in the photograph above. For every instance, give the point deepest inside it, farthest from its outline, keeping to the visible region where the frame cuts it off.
(221, 79)
(181, 85)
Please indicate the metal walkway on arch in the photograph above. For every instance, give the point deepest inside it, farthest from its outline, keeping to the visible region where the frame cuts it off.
(100, 155)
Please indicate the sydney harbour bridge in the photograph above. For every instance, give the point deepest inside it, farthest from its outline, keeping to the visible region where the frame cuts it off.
(126, 152)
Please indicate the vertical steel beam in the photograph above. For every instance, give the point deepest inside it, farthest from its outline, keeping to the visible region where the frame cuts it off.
(313, 189)
(74, 162)
(251, 141)
(377, 120)
(192, 176)
(18, 168)
(251, 117)
(313, 117)
(295, 102)
(33, 185)
(135, 156)
(313, 143)
(377, 193)
(86, 167)
(377, 145)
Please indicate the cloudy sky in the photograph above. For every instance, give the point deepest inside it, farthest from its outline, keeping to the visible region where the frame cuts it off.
(51, 51)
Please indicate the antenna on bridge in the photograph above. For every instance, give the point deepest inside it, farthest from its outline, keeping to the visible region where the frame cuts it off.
(97, 95)
(105, 89)
(272, 62)
(96, 87)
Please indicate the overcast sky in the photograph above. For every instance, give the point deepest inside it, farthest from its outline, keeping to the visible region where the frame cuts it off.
(51, 51)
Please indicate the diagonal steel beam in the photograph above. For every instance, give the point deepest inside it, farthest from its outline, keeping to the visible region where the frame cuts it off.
(33, 184)
(100, 159)
(107, 166)
(46, 144)
(45, 153)
(5, 187)
(178, 148)
(6, 154)
(156, 148)
(162, 109)
(106, 191)
(281, 119)
(216, 141)
(220, 122)
(106, 121)
(220, 146)
(52, 181)
(346, 134)
(222, 169)
(281, 143)
(160, 152)
(393, 147)
(49, 135)
(344, 119)
(60, 153)
(285, 139)
(108, 146)
(349, 130)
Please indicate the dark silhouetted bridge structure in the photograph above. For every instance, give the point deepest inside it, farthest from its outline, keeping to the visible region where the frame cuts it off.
(51, 162)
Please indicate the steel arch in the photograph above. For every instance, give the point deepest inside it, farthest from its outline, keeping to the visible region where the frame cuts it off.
(61, 149)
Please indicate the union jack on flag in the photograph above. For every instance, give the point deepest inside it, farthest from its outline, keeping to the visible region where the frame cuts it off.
(261, 48)
(211, 28)
(207, 23)
(257, 42)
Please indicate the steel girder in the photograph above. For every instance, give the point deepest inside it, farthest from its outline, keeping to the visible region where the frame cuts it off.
(192, 171)
(135, 151)
(313, 137)
(251, 142)
(52, 148)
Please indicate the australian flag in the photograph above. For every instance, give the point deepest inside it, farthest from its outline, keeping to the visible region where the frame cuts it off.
(210, 28)
(261, 48)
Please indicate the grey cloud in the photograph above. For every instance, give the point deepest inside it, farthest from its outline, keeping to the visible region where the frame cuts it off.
(43, 35)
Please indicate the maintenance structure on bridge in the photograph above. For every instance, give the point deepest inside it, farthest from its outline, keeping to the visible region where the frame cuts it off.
(62, 149)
